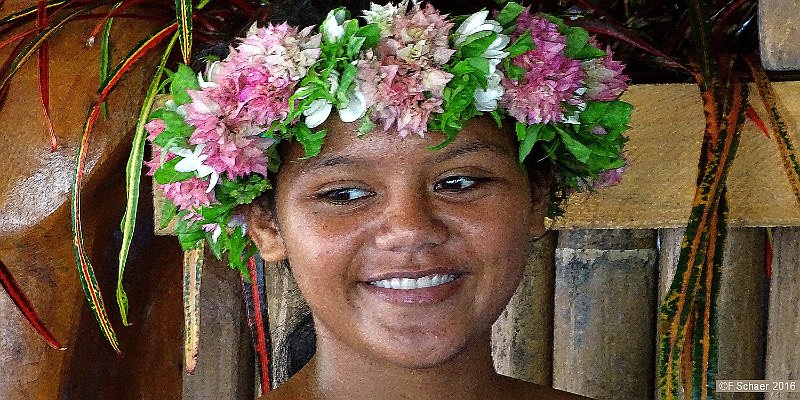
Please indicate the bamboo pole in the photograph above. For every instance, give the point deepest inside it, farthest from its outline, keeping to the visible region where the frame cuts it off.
(522, 338)
(604, 328)
(783, 346)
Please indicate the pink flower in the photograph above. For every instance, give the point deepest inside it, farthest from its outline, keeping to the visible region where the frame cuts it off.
(397, 93)
(235, 150)
(550, 79)
(155, 163)
(609, 178)
(403, 79)
(189, 194)
(604, 78)
(154, 128)
(254, 82)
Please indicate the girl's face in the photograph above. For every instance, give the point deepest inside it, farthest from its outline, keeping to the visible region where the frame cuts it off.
(448, 228)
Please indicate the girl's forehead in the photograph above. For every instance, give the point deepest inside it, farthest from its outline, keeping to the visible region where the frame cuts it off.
(342, 143)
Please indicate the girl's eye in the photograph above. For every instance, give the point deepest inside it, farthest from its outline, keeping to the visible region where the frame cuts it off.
(344, 195)
(457, 183)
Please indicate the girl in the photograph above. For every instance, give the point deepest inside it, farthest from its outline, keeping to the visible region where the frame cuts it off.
(413, 157)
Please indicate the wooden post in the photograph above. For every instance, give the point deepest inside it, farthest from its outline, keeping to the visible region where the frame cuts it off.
(287, 311)
(778, 33)
(225, 361)
(522, 341)
(604, 326)
(783, 346)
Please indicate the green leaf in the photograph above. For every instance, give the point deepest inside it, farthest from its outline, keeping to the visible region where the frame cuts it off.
(311, 141)
(508, 15)
(617, 115)
(477, 43)
(176, 131)
(183, 79)
(593, 112)
(366, 127)
(371, 34)
(167, 174)
(354, 45)
(521, 45)
(578, 149)
(531, 137)
(589, 52)
(168, 211)
(577, 38)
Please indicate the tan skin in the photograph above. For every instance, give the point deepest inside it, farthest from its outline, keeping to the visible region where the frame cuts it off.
(385, 206)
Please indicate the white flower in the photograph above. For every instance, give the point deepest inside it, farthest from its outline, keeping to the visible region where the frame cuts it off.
(193, 162)
(473, 24)
(356, 107)
(317, 112)
(212, 69)
(486, 100)
(333, 26)
(495, 50)
(384, 16)
(319, 109)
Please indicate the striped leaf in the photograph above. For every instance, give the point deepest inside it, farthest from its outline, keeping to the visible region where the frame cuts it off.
(105, 53)
(24, 305)
(702, 246)
(88, 281)
(183, 14)
(138, 51)
(786, 147)
(192, 272)
(133, 173)
(91, 289)
(29, 12)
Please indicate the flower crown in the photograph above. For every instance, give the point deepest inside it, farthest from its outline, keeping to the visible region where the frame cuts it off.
(405, 69)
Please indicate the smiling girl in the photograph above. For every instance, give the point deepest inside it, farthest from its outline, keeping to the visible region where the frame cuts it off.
(412, 159)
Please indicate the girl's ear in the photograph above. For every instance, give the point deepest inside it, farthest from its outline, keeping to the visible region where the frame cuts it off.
(262, 227)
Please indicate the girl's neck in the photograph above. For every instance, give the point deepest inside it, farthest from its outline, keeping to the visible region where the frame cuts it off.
(338, 372)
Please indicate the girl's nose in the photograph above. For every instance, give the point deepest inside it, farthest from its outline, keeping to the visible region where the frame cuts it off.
(410, 223)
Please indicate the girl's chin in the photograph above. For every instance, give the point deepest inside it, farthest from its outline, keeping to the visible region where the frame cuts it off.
(417, 353)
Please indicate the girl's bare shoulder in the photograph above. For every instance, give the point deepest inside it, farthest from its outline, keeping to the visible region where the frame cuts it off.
(519, 389)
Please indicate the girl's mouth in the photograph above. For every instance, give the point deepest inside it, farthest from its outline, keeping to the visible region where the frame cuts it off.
(431, 288)
(426, 281)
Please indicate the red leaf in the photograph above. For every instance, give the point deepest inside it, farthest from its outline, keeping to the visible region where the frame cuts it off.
(753, 116)
(628, 36)
(24, 305)
(262, 347)
(44, 74)
(111, 14)
(768, 253)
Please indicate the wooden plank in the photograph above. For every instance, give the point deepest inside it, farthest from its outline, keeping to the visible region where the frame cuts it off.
(778, 30)
(522, 337)
(604, 326)
(658, 187)
(783, 346)
(225, 361)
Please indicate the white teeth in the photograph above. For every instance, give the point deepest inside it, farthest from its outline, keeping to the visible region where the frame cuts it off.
(418, 283)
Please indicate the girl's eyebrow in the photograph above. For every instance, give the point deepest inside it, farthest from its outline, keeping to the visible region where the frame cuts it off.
(438, 156)
(451, 151)
(321, 162)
